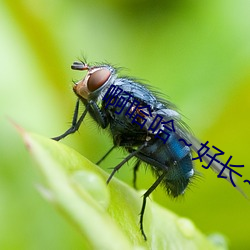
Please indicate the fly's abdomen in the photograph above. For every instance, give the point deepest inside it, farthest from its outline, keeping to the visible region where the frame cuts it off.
(172, 158)
(180, 166)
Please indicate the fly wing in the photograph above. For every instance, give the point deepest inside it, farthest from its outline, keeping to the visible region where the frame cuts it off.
(217, 167)
(183, 132)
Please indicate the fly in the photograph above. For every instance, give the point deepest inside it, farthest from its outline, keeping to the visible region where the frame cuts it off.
(122, 105)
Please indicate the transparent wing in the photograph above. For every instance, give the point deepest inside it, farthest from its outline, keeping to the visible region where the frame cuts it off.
(216, 167)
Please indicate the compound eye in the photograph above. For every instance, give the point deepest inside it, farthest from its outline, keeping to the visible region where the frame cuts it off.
(97, 79)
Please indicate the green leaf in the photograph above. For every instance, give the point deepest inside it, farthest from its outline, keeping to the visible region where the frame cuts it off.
(107, 215)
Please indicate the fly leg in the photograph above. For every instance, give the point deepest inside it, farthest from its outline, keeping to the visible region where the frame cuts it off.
(135, 169)
(93, 109)
(145, 196)
(97, 114)
(75, 124)
(105, 155)
(124, 161)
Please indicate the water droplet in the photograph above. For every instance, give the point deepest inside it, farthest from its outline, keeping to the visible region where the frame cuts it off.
(186, 226)
(94, 185)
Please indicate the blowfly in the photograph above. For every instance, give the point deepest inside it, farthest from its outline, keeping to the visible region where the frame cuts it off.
(148, 127)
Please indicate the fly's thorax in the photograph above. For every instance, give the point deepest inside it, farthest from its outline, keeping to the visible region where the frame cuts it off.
(97, 79)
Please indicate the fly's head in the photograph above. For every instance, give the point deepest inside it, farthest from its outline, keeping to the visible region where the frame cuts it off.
(95, 80)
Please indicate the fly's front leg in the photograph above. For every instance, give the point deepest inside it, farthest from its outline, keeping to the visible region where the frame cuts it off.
(75, 123)
(97, 114)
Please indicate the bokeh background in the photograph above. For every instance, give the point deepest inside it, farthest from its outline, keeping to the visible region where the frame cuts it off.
(195, 52)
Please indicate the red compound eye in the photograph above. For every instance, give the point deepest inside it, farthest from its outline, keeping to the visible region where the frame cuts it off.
(97, 79)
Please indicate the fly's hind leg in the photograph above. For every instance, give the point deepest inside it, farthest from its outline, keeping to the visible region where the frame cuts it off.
(135, 169)
(145, 196)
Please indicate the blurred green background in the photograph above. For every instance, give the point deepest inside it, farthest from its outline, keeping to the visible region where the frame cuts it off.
(195, 52)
